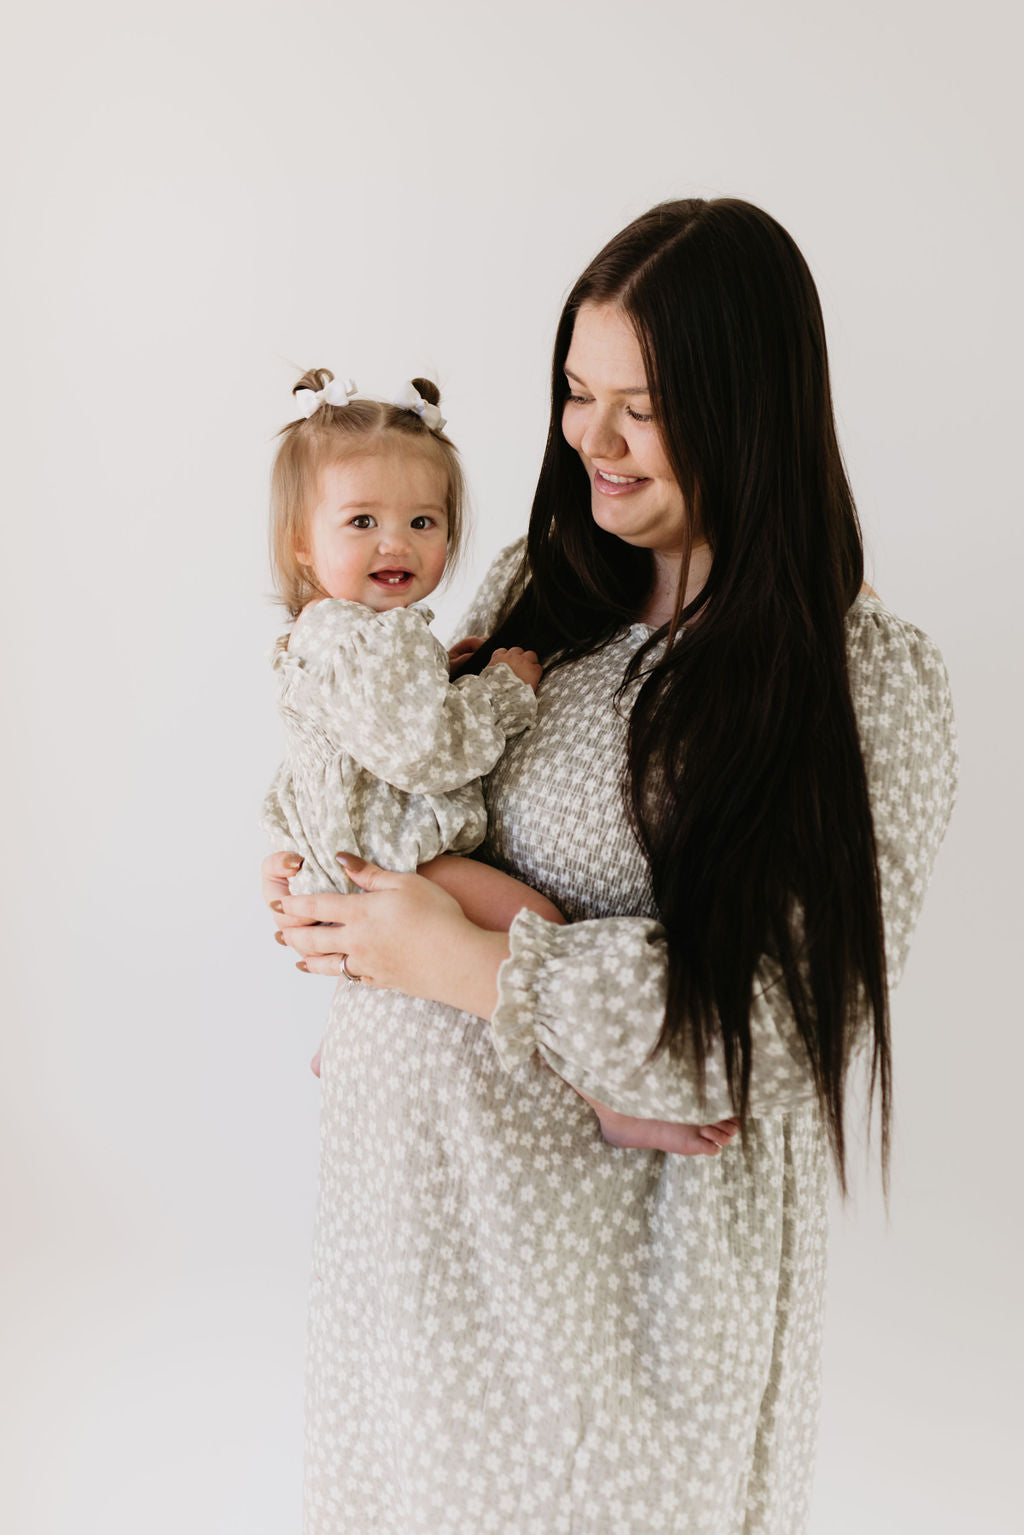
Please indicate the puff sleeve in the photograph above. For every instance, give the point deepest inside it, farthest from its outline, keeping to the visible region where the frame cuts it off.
(500, 581)
(590, 997)
(377, 686)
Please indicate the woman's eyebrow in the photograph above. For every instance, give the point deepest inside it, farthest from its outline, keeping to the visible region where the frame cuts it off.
(577, 380)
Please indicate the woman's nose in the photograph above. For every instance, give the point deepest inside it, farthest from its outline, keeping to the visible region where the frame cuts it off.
(600, 438)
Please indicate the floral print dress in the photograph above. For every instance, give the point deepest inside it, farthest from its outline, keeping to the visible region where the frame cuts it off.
(515, 1327)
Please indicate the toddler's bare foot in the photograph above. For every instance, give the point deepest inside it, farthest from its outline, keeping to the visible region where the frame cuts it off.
(314, 1064)
(661, 1135)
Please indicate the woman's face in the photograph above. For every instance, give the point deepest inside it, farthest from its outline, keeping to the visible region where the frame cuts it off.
(607, 419)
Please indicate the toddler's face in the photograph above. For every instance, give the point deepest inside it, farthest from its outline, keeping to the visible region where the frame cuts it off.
(379, 532)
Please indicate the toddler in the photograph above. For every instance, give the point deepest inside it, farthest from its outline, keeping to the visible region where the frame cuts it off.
(384, 752)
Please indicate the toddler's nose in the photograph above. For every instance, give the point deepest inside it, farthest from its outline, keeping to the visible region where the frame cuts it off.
(393, 541)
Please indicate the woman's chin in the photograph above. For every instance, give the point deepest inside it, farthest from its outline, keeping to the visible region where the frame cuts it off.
(617, 521)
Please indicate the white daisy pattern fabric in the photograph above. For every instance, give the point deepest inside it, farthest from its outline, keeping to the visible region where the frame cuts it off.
(515, 1327)
(385, 752)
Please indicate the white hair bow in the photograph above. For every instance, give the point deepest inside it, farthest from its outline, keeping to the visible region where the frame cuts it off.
(409, 398)
(337, 392)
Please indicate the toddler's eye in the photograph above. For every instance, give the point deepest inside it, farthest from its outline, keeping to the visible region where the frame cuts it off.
(361, 520)
(420, 523)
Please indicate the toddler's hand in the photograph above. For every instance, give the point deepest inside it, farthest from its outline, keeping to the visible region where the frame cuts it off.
(523, 662)
(660, 1134)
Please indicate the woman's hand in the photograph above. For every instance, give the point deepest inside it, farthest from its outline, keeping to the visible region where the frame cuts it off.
(462, 650)
(275, 872)
(660, 1134)
(403, 933)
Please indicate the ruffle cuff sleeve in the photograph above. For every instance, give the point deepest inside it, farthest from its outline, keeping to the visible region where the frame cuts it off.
(590, 997)
(513, 1023)
(514, 702)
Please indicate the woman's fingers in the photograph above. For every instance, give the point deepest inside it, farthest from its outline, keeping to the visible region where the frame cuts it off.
(466, 647)
(462, 652)
(319, 948)
(722, 1133)
(367, 875)
(329, 906)
(324, 964)
(312, 940)
(395, 929)
(280, 865)
(318, 932)
(275, 872)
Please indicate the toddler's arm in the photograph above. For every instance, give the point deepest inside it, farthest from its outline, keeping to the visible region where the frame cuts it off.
(489, 897)
(379, 686)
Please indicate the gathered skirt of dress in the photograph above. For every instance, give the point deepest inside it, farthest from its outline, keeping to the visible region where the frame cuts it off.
(515, 1327)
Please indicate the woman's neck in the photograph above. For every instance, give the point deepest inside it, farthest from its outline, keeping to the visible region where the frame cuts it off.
(661, 603)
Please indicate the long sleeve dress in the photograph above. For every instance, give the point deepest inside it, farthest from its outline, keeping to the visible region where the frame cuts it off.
(515, 1327)
(384, 752)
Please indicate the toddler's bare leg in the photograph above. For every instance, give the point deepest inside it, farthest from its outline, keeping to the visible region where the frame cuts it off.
(488, 897)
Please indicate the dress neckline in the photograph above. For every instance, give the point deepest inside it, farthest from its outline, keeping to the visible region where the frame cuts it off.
(861, 597)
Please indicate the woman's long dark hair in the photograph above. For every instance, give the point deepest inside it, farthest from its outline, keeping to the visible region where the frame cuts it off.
(745, 780)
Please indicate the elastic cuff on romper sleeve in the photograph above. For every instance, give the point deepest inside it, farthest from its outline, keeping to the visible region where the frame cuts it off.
(513, 1023)
(514, 701)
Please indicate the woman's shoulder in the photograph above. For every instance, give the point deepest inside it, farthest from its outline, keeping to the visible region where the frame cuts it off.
(898, 680)
(501, 577)
(881, 643)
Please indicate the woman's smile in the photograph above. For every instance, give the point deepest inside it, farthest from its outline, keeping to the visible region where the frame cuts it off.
(617, 484)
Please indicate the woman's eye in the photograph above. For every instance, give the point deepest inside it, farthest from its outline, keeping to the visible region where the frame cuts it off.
(584, 399)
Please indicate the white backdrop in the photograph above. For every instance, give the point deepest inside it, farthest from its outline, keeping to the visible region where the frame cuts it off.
(204, 198)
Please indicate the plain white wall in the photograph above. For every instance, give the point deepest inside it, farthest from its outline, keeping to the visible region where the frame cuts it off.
(203, 196)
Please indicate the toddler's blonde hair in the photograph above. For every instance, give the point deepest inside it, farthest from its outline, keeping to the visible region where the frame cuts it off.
(333, 433)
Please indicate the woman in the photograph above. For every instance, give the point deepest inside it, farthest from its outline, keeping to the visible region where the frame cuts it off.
(742, 762)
